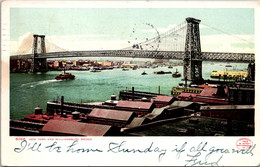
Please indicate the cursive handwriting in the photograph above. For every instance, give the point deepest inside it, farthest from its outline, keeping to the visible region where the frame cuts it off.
(249, 150)
(24, 145)
(72, 149)
(200, 154)
(195, 161)
(179, 151)
(119, 148)
(54, 148)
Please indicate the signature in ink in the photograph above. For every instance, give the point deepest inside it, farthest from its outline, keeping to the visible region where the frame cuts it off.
(195, 160)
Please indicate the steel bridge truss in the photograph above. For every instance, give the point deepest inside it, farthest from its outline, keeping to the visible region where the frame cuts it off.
(205, 56)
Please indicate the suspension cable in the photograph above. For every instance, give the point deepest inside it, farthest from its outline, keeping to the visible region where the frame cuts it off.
(227, 33)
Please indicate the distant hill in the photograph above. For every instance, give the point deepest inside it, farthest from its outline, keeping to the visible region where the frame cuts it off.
(26, 44)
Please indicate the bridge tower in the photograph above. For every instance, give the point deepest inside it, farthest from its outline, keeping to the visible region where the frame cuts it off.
(251, 72)
(192, 63)
(39, 64)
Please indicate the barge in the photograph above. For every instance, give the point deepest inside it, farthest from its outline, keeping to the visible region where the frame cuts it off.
(162, 72)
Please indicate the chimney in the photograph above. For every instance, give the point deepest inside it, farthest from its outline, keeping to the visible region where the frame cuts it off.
(62, 103)
(220, 91)
(133, 93)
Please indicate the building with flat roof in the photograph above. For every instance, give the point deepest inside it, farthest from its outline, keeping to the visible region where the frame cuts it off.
(139, 107)
(162, 101)
(70, 128)
(117, 118)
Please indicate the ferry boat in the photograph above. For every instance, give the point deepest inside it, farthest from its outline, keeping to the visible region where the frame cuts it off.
(178, 90)
(64, 76)
(229, 74)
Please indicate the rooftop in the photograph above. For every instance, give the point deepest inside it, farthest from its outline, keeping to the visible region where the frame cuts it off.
(137, 121)
(162, 98)
(227, 107)
(75, 128)
(181, 103)
(111, 114)
(46, 118)
(134, 104)
(210, 92)
(204, 127)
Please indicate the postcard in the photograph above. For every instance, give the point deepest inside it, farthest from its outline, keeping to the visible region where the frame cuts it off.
(135, 83)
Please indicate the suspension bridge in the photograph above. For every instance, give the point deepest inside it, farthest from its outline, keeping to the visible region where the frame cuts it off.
(181, 42)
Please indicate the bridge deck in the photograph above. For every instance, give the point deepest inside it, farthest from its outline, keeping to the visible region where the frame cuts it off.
(206, 56)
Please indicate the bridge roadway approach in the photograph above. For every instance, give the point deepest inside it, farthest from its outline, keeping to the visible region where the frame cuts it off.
(206, 56)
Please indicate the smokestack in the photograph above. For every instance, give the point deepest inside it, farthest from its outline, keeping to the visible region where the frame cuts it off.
(220, 91)
(133, 93)
(62, 103)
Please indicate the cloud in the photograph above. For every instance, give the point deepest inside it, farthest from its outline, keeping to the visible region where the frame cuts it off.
(203, 26)
(209, 43)
(225, 43)
(67, 42)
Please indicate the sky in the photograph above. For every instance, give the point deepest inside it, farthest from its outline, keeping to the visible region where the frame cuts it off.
(111, 28)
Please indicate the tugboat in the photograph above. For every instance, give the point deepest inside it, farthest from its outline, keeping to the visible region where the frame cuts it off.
(64, 76)
(176, 74)
(144, 73)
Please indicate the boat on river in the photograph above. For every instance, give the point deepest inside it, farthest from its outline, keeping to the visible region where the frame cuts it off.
(229, 74)
(176, 74)
(95, 70)
(162, 72)
(64, 76)
(144, 73)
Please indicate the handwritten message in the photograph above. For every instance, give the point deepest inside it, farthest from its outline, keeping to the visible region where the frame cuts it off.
(200, 154)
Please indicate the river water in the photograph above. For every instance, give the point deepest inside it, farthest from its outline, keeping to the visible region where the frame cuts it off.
(29, 90)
